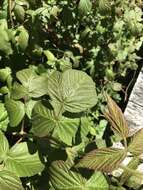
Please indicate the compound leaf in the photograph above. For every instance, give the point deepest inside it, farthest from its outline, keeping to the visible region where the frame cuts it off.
(116, 118)
(136, 145)
(104, 159)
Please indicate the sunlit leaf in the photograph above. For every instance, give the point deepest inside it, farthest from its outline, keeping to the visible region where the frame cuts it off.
(136, 145)
(63, 178)
(9, 181)
(3, 117)
(4, 147)
(16, 111)
(22, 161)
(104, 159)
(74, 90)
(84, 6)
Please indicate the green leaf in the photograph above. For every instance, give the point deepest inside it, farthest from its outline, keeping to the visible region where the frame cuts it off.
(34, 84)
(136, 145)
(16, 111)
(29, 107)
(19, 13)
(3, 117)
(44, 121)
(9, 181)
(22, 162)
(116, 118)
(5, 45)
(18, 91)
(23, 38)
(84, 6)
(63, 178)
(66, 129)
(4, 73)
(74, 90)
(4, 147)
(104, 159)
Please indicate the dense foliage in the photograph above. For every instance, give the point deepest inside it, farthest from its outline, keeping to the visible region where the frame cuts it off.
(58, 61)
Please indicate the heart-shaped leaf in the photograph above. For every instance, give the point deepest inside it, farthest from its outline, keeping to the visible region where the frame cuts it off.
(104, 159)
(74, 90)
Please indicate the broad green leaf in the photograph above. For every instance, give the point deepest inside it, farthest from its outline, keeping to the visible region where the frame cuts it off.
(44, 121)
(23, 38)
(9, 181)
(18, 91)
(5, 45)
(29, 107)
(19, 12)
(84, 6)
(136, 145)
(16, 111)
(4, 147)
(74, 90)
(116, 118)
(22, 162)
(3, 117)
(35, 85)
(63, 178)
(66, 129)
(104, 159)
(4, 73)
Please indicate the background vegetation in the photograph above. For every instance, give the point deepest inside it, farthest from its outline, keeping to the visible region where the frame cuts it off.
(58, 60)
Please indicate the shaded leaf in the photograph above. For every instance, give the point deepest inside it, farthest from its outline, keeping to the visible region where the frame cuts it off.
(9, 181)
(22, 162)
(136, 145)
(16, 111)
(44, 121)
(116, 118)
(104, 159)
(63, 178)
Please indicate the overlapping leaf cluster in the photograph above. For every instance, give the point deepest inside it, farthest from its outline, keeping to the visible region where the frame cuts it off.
(55, 59)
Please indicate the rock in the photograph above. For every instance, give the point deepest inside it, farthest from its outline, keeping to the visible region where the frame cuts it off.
(134, 109)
